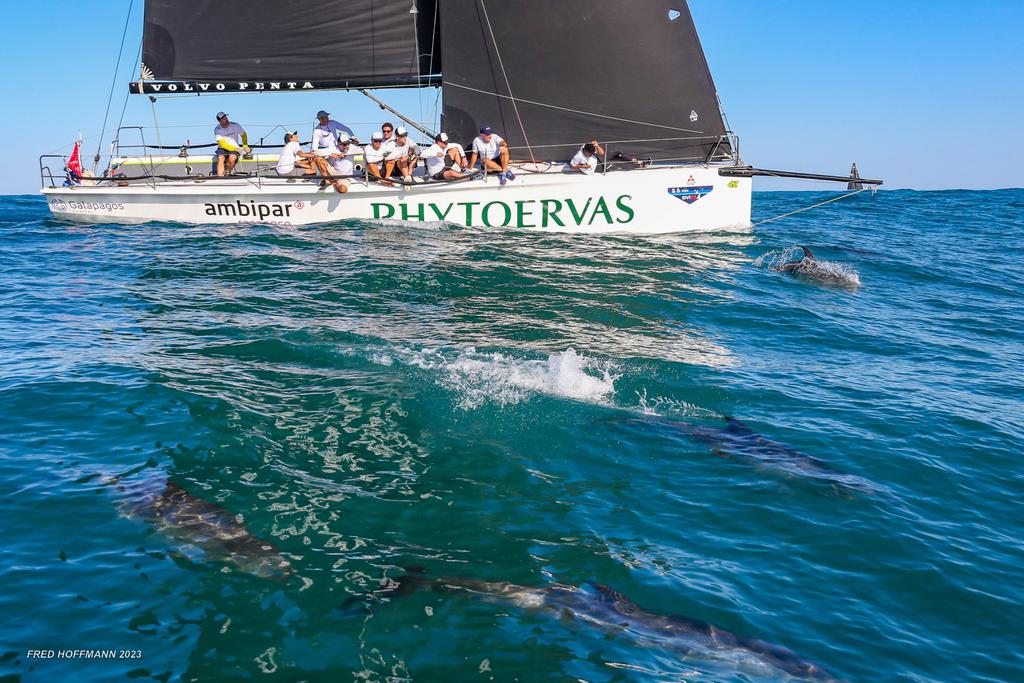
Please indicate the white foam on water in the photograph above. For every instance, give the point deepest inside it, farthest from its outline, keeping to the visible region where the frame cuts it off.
(833, 272)
(480, 377)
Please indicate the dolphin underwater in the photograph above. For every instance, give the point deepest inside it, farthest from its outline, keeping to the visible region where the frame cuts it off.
(602, 607)
(808, 266)
(737, 440)
(193, 521)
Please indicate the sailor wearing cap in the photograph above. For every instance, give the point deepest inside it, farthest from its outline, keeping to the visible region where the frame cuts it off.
(374, 155)
(493, 150)
(445, 160)
(292, 160)
(232, 140)
(403, 152)
(325, 134)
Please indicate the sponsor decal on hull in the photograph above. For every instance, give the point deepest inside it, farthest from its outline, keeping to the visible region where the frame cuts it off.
(251, 209)
(61, 206)
(692, 193)
(526, 213)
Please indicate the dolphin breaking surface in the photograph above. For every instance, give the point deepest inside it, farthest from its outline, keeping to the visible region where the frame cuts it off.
(601, 607)
(810, 267)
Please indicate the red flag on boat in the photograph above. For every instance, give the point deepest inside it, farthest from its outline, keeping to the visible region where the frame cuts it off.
(74, 164)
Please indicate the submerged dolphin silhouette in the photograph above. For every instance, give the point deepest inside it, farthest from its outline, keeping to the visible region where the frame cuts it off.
(737, 440)
(193, 521)
(809, 266)
(597, 605)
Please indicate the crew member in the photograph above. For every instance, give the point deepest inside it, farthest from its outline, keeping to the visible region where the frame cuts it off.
(586, 158)
(493, 150)
(374, 156)
(388, 130)
(325, 134)
(403, 152)
(293, 162)
(232, 140)
(445, 160)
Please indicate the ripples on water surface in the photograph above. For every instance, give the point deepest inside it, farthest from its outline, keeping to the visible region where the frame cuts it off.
(517, 407)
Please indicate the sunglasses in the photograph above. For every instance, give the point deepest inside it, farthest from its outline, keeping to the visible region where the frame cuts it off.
(386, 130)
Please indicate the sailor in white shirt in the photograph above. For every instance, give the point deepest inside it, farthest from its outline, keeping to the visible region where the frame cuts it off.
(493, 150)
(586, 158)
(374, 156)
(402, 152)
(290, 162)
(326, 133)
(232, 140)
(445, 160)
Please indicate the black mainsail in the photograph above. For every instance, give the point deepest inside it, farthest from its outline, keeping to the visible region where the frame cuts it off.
(552, 75)
(254, 45)
(548, 75)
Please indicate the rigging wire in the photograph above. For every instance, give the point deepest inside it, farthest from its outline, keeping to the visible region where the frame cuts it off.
(574, 111)
(508, 86)
(113, 82)
(814, 206)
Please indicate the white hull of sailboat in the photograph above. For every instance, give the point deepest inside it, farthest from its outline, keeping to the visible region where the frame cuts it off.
(648, 200)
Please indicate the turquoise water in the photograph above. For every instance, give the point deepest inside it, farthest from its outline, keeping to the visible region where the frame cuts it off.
(518, 407)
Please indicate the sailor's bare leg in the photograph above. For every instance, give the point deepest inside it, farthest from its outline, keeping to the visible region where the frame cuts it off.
(220, 164)
(406, 166)
(374, 170)
(491, 165)
(232, 160)
(504, 159)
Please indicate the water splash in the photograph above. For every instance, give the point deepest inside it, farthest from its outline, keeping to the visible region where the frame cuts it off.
(830, 272)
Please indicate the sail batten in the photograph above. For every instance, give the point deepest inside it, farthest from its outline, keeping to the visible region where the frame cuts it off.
(239, 44)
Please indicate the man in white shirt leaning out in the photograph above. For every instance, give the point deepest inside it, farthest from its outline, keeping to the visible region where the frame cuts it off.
(586, 158)
(293, 162)
(495, 154)
(445, 160)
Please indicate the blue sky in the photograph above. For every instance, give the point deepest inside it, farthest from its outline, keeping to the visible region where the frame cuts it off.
(926, 94)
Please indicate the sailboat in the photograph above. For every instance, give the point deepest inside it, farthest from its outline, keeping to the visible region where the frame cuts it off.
(548, 76)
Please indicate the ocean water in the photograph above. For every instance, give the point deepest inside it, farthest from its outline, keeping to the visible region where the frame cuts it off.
(368, 402)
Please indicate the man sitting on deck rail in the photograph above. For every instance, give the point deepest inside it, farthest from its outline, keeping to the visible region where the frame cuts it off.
(403, 152)
(445, 160)
(292, 161)
(495, 154)
(586, 158)
(231, 141)
(342, 163)
(374, 155)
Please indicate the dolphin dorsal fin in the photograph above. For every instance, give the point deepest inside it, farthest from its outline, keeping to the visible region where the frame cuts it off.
(807, 252)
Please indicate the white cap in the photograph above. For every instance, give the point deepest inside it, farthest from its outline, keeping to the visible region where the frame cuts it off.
(377, 135)
(442, 137)
(401, 131)
(343, 138)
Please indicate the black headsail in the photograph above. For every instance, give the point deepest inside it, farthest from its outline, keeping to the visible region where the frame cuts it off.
(551, 75)
(254, 45)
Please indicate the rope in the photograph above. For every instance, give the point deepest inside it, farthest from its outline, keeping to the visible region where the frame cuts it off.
(808, 208)
(575, 111)
(508, 86)
(113, 82)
